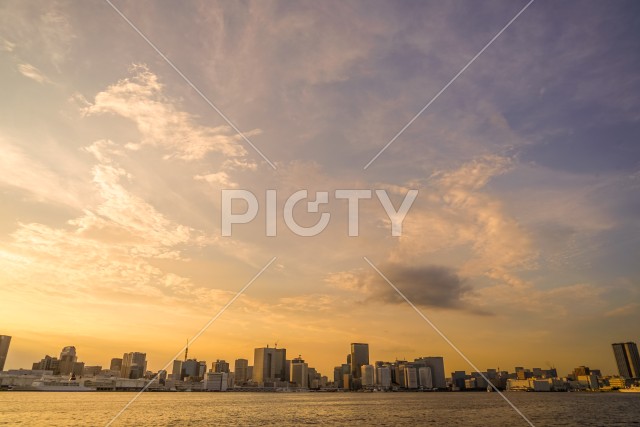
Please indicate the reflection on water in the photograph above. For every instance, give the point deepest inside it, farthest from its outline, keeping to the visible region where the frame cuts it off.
(291, 409)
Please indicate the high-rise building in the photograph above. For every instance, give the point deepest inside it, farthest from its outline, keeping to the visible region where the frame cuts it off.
(176, 372)
(299, 373)
(383, 376)
(220, 366)
(48, 363)
(134, 365)
(68, 360)
(5, 340)
(281, 364)
(337, 377)
(193, 369)
(436, 363)
(313, 378)
(359, 357)
(215, 381)
(269, 364)
(410, 377)
(240, 369)
(116, 364)
(250, 373)
(425, 378)
(367, 376)
(627, 359)
(202, 368)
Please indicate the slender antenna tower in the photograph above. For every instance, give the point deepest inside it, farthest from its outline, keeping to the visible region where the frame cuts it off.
(186, 350)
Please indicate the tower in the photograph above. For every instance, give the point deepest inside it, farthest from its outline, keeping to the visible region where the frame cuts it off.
(359, 357)
(5, 340)
(627, 359)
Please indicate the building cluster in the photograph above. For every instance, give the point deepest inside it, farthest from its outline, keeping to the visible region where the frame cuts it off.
(425, 373)
(273, 371)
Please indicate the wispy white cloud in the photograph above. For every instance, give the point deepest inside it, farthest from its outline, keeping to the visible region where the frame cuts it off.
(33, 73)
(37, 179)
(220, 178)
(140, 98)
(6, 45)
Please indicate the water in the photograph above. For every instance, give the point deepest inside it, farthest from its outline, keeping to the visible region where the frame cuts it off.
(326, 409)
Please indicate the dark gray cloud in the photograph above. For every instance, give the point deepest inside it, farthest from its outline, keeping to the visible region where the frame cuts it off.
(427, 286)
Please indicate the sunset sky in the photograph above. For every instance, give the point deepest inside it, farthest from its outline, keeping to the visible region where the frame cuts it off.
(522, 245)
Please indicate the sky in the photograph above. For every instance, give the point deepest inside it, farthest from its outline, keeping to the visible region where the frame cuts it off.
(521, 246)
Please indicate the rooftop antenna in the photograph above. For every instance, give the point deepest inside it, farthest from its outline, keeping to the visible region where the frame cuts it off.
(275, 345)
(186, 350)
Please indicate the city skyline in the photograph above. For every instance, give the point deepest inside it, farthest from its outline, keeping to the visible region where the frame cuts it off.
(521, 245)
(274, 363)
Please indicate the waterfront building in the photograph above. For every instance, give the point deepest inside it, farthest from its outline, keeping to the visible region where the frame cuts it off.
(383, 377)
(617, 382)
(436, 363)
(215, 381)
(134, 365)
(359, 357)
(241, 371)
(627, 359)
(337, 377)
(47, 363)
(269, 365)
(410, 377)
(5, 340)
(313, 378)
(367, 376)
(68, 359)
(116, 364)
(91, 371)
(458, 380)
(300, 373)
(220, 366)
(192, 368)
(424, 377)
(176, 372)
(581, 371)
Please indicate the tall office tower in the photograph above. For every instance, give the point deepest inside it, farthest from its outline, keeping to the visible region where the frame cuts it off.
(134, 365)
(410, 377)
(281, 364)
(359, 357)
(313, 378)
(367, 375)
(5, 340)
(241, 370)
(300, 373)
(424, 377)
(269, 364)
(220, 366)
(436, 363)
(68, 360)
(337, 377)
(383, 376)
(191, 368)
(202, 368)
(176, 372)
(627, 358)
